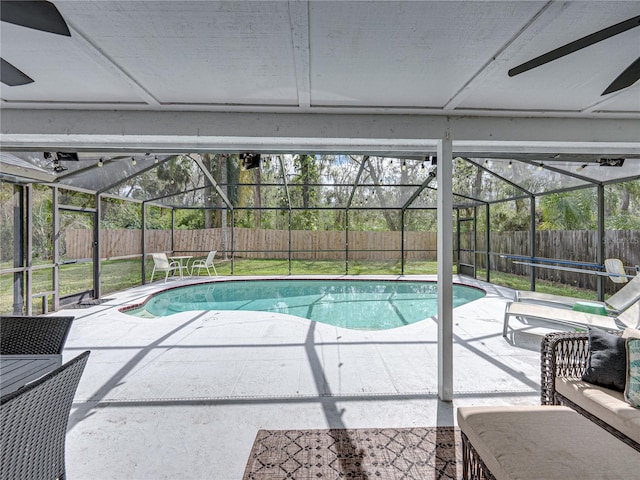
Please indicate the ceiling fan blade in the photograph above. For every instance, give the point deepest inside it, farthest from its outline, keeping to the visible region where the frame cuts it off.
(576, 45)
(11, 76)
(627, 78)
(39, 15)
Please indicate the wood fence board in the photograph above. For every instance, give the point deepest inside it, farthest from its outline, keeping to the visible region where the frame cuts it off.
(578, 246)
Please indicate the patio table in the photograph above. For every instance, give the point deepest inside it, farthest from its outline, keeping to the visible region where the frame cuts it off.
(185, 266)
(18, 370)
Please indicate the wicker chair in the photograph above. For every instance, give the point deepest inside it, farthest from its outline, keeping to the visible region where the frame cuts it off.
(33, 335)
(565, 354)
(33, 424)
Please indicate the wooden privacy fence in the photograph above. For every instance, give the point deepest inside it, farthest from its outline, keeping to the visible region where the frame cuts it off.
(572, 245)
(257, 243)
(578, 246)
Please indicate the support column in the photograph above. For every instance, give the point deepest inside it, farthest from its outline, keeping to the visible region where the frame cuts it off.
(346, 242)
(445, 269)
(402, 240)
(55, 280)
(600, 251)
(143, 223)
(233, 240)
(29, 251)
(290, 239)
(173, 232)
(18, 249)
(533, 253)
(96, 247)
(487, 240)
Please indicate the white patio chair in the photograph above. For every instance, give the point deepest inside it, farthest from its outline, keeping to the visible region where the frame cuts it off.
(206, 264)
(161, 263)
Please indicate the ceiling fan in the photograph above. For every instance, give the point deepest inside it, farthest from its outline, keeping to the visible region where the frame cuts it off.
(39, 15)
(627, 78)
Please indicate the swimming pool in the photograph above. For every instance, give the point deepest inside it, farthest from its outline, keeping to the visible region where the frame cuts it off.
(355, 304)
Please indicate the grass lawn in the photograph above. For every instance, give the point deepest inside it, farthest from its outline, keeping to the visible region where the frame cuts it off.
(116, 275)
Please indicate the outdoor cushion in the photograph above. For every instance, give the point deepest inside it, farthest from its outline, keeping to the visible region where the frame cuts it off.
(545, 442)
(607, 404)
(631, 333)
(631, 393)
(606, 364)
(632, 387)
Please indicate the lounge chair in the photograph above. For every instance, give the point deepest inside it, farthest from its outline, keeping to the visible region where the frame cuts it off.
(618, 302)
(206, 264)
(630, 317)
(161, 263)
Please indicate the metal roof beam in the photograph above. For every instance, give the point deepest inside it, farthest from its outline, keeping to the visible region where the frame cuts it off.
(365, 159)
(139, 172)
(212, 180)
(499, 177)
(419, 190)
(285, 184)
(560, 171)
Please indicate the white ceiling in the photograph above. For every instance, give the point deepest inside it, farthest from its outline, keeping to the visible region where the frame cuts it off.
(422, 58)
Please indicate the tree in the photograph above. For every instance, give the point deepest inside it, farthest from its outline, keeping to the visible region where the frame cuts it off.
(306, 195)
(375, 168)
(209, 191)
(573, 210)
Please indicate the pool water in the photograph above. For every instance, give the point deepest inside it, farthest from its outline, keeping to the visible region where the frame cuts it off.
(355, 304)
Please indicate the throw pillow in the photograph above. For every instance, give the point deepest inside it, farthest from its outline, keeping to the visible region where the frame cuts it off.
(607, 360)
(632, 388)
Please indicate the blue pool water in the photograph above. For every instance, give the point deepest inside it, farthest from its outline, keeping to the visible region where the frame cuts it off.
(356, 304)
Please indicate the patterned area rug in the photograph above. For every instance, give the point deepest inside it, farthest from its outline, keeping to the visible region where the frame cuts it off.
(384, 454)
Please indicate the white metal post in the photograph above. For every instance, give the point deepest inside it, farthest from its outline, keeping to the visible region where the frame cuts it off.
(445, 269)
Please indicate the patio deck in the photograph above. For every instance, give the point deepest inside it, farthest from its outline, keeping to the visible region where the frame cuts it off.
(184, 396)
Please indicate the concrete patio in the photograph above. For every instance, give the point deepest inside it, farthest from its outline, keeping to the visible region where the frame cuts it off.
(184, 396)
